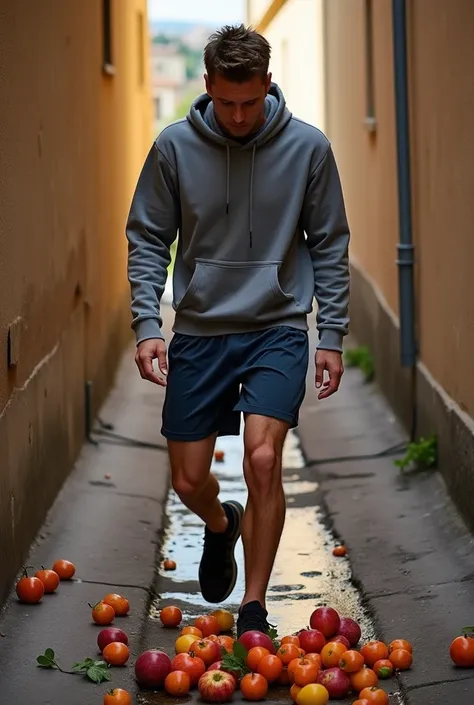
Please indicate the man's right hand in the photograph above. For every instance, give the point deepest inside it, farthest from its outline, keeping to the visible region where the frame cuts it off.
(147, 351)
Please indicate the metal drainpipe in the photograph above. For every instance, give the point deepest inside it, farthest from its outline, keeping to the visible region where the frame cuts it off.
(405, 248)
(405, 261)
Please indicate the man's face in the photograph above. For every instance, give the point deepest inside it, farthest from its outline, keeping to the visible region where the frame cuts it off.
(239, 107)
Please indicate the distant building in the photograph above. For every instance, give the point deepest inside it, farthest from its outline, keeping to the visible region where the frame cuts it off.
(168, 81)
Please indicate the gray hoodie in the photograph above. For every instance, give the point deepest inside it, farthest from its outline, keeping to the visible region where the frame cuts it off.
(262, 229)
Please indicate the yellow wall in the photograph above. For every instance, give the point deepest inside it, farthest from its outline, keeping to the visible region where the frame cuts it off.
(72, 142)
(296, 37)
(442, 115)
(367, 161)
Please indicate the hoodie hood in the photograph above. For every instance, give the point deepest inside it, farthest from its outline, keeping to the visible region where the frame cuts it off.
(277, 116)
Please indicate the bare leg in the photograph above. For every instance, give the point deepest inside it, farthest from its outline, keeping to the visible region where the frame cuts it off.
(264, 516)
(194, 483)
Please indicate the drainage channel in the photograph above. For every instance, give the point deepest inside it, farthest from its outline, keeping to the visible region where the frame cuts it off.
(306, 575)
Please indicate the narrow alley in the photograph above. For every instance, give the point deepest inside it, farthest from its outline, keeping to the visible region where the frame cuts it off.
(378, 479)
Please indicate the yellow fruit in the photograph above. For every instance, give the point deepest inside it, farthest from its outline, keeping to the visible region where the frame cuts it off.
(312, 694)
(183, 643)
(225, 619)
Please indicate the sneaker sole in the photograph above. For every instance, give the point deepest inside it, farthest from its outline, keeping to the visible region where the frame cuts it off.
(240, 511)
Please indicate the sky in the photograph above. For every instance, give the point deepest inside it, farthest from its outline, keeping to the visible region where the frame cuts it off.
(213, 12)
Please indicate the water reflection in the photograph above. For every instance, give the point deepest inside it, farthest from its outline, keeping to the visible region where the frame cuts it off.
(305, 573)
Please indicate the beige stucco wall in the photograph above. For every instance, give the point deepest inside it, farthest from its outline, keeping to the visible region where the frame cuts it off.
(442, 114)
(72, 142)
(366, 160)
(442, 102)
(296, 36)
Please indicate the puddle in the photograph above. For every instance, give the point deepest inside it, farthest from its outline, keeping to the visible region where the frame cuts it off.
(305, 575)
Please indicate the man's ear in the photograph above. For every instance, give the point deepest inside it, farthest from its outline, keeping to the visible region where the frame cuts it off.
(208, 85)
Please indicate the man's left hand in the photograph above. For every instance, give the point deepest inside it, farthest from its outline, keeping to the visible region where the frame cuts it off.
(331, 362)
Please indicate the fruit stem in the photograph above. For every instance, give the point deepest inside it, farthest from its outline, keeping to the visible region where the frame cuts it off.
(467, 630)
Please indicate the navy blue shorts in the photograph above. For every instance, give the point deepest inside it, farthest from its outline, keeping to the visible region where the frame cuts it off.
(213, 380)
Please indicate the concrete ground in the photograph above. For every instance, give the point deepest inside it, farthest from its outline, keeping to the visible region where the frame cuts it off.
(409, 573)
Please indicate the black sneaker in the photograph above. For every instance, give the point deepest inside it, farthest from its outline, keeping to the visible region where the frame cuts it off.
(252, 617)
(218, 569)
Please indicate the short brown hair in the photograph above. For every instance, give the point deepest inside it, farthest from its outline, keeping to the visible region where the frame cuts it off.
(237, 53)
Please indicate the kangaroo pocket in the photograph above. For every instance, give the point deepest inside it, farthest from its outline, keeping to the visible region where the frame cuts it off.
(237, 291)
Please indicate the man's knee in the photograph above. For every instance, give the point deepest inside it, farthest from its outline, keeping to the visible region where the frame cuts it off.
(186, 486)
(262, 469)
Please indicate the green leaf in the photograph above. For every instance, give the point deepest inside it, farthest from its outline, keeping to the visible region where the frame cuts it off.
(44, 662)
(240, 652)
(273, 633)
(49, 653)
(97, 674)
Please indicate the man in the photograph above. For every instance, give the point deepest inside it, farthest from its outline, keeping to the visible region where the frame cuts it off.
(255, 195)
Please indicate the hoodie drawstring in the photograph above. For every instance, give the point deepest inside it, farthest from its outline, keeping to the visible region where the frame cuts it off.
(227, 196)
(251, 194)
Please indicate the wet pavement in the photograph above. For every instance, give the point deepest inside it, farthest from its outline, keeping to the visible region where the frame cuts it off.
(409, 571)
(306, 575)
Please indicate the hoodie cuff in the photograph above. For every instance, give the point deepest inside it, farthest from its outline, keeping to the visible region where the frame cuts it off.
(330, 339)
(147, 329)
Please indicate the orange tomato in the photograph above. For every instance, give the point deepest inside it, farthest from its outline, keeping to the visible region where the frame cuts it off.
(294, 690)
(291, 639)
(102, 614)
(227, 643)
(332, 653)
(339, 551)
(253, 686)
(225, 619)
(190, 664)
(191, 630)
(365, 678)
(49, 578)
(177, 683)
(120, 604)
(361, 702)
(117, 696)
(351, 661)
(374, 696)
(400, 644)
(171, 616)
(383, 668)
(401, 659)
(316, 658)
(65, 569)
(116, 653)
(270, 667)
(168, 564)
(305, 672)
(29, 590)
(208, 625)
(287, 652)
(284, 678)
(255, 655)
(374, 651)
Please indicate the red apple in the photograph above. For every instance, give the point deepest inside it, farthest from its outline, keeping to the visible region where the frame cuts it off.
(326, 620)
(152, 667)
(342, 639)
(216, 686)
(336, 682)
(350, 629)
(254, 638)
(217, 666)
(311, 640)
(109, 635)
